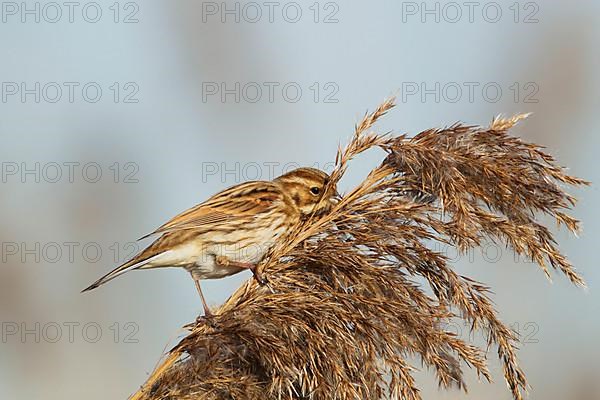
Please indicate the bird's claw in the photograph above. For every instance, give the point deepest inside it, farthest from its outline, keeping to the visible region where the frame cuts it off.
(262, 281)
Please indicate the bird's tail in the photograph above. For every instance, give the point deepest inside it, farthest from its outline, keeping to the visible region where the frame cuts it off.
(128, 266)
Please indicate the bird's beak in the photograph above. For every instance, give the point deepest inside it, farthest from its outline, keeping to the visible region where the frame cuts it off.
(336, 198)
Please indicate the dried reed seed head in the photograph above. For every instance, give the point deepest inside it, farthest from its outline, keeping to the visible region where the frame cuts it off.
(343, 313)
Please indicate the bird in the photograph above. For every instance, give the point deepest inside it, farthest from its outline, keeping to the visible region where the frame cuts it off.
(234, 229)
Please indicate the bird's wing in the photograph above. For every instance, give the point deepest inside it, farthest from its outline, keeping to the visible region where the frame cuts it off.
(238, 203)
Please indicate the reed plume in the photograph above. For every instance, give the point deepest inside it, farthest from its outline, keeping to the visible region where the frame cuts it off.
(356, 294)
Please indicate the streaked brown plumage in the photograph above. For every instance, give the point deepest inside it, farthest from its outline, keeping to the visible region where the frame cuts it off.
(234, 229)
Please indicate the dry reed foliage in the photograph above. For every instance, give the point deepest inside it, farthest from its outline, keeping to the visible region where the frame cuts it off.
(343, 312)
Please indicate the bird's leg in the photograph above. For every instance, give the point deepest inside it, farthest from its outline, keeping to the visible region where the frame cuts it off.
(226, 262)
(207, 312)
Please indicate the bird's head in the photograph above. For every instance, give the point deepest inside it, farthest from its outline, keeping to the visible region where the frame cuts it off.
(309, 190)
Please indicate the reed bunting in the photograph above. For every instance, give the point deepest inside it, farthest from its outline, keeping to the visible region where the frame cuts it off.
(234, 229)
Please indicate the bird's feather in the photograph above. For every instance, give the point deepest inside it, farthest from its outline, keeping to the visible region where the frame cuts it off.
(134, 263)
(239, 202)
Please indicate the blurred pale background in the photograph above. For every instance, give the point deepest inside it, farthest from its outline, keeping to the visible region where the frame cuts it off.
(163, 138)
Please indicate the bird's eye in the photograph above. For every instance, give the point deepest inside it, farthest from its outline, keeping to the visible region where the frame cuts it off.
(315, 190)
